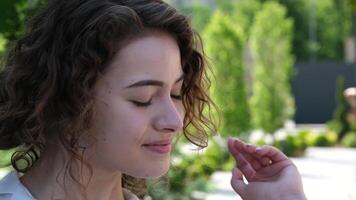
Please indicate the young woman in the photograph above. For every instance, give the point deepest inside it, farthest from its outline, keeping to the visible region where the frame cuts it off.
(94, 95)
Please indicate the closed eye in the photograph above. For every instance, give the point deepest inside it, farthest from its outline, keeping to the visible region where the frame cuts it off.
(178, 97)
(141, 104)
(145, 104)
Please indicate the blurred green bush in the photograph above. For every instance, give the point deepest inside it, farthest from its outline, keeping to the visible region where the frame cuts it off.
(272, 102)
(328, 138)
(5, 157)
(349, 140)
(191, 169)
(293, 146)
(224, 41)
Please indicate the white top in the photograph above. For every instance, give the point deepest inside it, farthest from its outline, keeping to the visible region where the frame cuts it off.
(12, 189)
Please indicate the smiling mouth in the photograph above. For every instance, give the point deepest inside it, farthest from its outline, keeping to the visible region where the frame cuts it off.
(158, 148)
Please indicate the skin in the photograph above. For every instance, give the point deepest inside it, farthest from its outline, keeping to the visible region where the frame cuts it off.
(123, 123)
(270, 174)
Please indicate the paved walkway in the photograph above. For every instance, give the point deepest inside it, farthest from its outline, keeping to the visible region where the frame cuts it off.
(328, 174)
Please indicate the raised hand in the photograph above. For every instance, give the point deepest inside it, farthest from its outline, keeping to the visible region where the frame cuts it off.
(269, 173)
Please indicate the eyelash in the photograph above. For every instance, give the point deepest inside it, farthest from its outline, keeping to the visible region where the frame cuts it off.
(144, 104)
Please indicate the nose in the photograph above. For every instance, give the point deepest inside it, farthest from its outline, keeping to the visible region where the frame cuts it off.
(169, 118)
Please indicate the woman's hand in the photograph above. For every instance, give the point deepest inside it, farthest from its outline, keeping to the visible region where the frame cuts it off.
(270, 174)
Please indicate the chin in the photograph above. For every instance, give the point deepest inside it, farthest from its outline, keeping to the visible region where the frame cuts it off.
(153, 172)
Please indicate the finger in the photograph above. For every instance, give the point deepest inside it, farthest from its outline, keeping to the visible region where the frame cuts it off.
(245, 167)
(250, 148)
(273, 153)
(249, 152)
(255, 163)
(237, 182)
(239, 144)
(232, 149)
(273, 169)
(236, 149)
(266, 161)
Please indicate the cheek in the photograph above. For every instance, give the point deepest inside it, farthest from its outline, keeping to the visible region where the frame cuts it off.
(120, 122)
(181, 109)
(120, 129)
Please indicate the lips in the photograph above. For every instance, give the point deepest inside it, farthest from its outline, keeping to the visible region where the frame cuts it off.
(160, 147)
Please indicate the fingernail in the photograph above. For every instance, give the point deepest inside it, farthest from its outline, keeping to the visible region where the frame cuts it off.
(258, 148)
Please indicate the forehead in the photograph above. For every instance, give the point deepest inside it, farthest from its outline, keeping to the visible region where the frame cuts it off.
(155, 56)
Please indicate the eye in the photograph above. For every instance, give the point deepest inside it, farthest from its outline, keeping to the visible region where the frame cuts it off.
(178, 97)
(141, 104)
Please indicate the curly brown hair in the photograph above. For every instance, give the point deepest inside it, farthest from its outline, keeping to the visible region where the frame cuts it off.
(46, 88)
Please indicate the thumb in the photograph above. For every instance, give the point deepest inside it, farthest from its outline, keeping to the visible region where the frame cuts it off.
(237, 182)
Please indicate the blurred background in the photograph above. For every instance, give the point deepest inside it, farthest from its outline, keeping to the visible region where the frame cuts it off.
(284, 75)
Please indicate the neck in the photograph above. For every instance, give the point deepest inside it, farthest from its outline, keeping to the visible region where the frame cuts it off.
(48, 179)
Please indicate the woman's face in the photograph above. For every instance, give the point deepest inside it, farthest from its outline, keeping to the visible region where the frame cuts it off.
(138, 107)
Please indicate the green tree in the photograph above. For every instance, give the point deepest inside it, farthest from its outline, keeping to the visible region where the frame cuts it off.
(14, 15)
(334, 20)
(353, 10)
(200, 14)
(339, 123)
(353, 5)
(244, 13)
(271, 38)
(225, 6)
(224, 44)
(320, 27)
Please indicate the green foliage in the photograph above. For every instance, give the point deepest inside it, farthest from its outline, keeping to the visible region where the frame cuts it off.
(321, 141)
(5, 157)
(295, 144)
(320, 27)
(14, 15)
(334, 27)
(339, 123)
(195, 166)
(272, 101)
(244, 13)
(260, 142)
(349, 140)
(353, 4)
(299, 12)
(191, 171)
(324, 139)
(224, 43)
(292, 145)
(226, 6)
(200, 14)
(329, 19)
(3, 43)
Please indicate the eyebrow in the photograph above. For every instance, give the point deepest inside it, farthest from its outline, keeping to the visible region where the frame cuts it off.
(152, 82)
